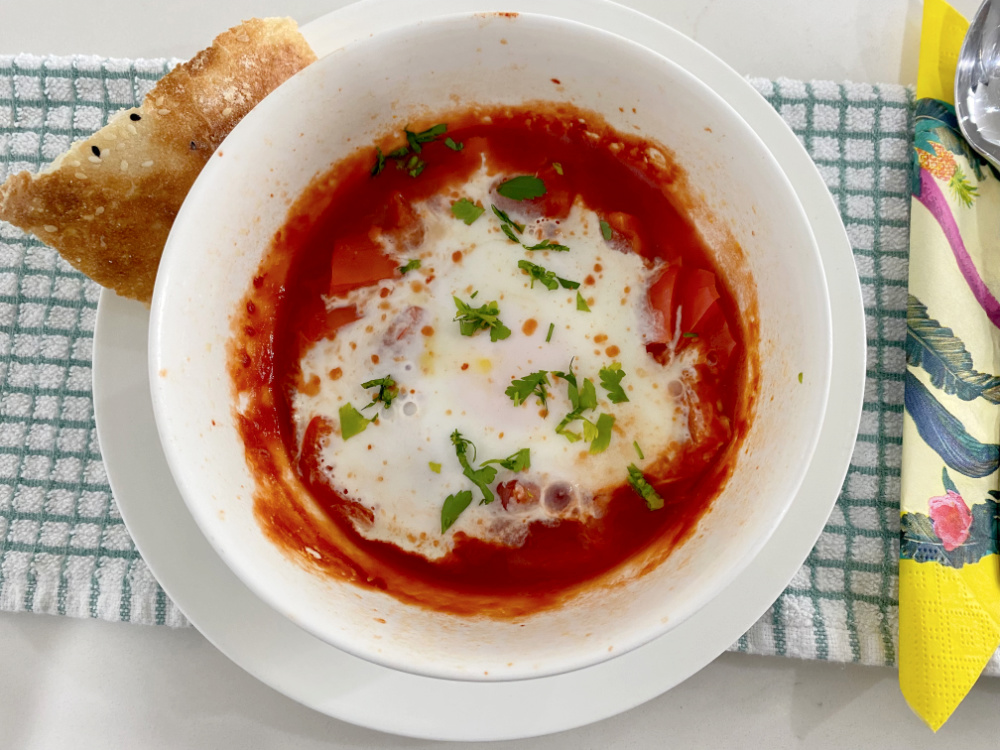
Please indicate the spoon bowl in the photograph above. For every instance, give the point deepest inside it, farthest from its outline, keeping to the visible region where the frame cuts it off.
(977, 83)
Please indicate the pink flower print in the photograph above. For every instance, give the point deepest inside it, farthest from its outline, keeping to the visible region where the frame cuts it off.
(951, 518)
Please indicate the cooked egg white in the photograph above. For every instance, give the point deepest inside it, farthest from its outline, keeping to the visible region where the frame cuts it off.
(453, 382)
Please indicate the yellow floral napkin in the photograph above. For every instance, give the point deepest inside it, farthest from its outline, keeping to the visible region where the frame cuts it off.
(949, 569)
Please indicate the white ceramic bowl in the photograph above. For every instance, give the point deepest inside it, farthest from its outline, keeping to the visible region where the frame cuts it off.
(346, 99)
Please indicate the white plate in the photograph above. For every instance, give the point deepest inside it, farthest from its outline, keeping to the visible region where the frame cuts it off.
(295, 663)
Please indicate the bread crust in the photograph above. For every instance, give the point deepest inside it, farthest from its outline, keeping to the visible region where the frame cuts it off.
(108, 203)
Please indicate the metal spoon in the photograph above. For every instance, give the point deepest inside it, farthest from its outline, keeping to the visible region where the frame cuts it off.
(977, 82)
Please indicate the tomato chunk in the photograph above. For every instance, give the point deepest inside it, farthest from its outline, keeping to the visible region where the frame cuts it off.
(358, 261)
(691, 295)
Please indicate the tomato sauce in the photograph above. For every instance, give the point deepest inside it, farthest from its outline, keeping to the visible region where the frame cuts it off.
(325, 249)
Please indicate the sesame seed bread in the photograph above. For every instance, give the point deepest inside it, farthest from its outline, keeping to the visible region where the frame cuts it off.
(108, 203)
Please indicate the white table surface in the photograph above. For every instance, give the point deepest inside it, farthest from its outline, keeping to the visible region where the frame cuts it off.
(80, 684)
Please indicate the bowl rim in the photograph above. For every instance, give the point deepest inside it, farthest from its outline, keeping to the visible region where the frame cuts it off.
(199, 510)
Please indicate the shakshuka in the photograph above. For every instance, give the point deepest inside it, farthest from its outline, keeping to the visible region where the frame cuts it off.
(488, 360)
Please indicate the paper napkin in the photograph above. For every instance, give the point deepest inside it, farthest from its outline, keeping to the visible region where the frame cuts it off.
(949, 574)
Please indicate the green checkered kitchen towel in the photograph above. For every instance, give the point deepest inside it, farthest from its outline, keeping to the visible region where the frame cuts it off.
(64, 549)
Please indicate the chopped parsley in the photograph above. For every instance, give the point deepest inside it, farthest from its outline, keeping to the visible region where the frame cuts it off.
(481, 477)
(600, 442)
(453, 507)
(800, 377)
(548, 245)
(547, 278)
(581, 303)
(690, 335)
(538, 273)
(453, 145)
(611, 378)
(508, 225)
(581, 399)
(411, 265)
(505, 219)
(465, 210)
(605, 230)
(548, 337)
(644, 488)
(521, 389)
(387, 390)
(558, 167)
(521, 188)
(415, 166)
(379, 162)
(352, 422)
(434, 466)
(484, 318)
(424, 136)
(520, 461)
(638, 450)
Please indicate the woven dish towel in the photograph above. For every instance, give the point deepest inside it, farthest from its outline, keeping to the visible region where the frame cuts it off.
(64, 549)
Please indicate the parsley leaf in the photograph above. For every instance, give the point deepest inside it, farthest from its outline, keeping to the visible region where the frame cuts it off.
(399, 153)
(424, 136)
(558, 167)
(502, 215)
(509, 232)
(548, 337)
(602, 440)
(605, 230)
(520, 389)
(581, 399)
(387, 390)
(644, 488)
(411, 265)
(465, 210)
(480, 477)
(588, 396)
(638, 450)
(453, 145)
(611, 378)
(379, 162)
(351, 422)
(453, 507)
(581, 303)
(523, 187)
(415, 166)
(519, 461)
(548, 245)
(538, 273)
(434, 466)
(484, 318)
(567, 284)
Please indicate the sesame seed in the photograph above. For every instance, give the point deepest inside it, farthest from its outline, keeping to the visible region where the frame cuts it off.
(227, 111)
(148, 163)
(74, 163)
(94, 159)
(132, 129)
(99, 210)
(95, 150)
(88, 217)
(80, 176)
(159, 101)
(134, 117)
(163, 111)
(111, 136)
(124, 166)
(50, 228)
